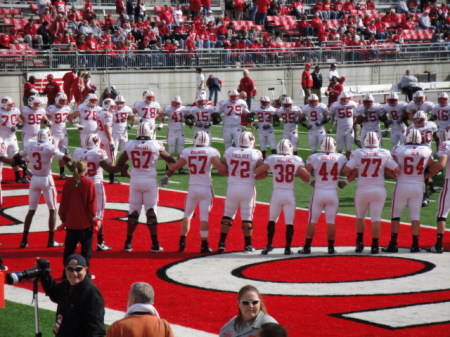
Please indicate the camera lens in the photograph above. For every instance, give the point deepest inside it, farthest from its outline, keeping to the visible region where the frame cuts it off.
(13, 278)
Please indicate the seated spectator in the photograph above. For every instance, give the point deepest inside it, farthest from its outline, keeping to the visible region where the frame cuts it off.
(239, 6)
(305, 27)
(413, 6)
(60, 6)
(58, 26)
(370, 5)
(177, 16)
(409, 84)
(337, 9)
(425, 21)
(380, 27)
(298, 9)
(392, 18)
(92, 48)
(163, 30)
(349, 6)
(88, 7)
(166, 15)
(209, 18)
(361, 5)
(317, 22)
(318, 9)
(169, 50)
(31, 37)
(326, 8)
(46, 16)
(47, 37)
(74, 14)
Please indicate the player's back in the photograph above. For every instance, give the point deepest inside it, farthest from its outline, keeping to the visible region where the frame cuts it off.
(284, 169)
(92, 157)
(143, 155)
(327, 167)
(104, 118)
(241, 165)
(199, 162)
(40, 157)
(426, 132)
(412, 160)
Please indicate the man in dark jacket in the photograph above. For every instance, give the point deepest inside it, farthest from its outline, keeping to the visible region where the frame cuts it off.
(317, 82)
(81, 308)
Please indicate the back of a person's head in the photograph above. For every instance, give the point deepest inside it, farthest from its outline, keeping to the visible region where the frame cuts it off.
(272, 330)
(142, 293)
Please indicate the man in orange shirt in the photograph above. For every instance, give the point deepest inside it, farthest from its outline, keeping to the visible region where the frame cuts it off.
(307, 82)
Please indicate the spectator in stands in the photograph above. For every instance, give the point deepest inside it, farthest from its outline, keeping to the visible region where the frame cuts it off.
(120, 7)
(298, 9)
(31, 37)
(317, 82)
(52, 88)
(139, 11)
(214, 85)
(425, 21)
(248, 85)
(194, 8)
(409, 85)
(209, 18)
(332, 72)
(47, 37)
(238, 9)
(42, 6)
(305, 27)
(177, 16)
(206, 4)
(401, 7)
(261, 13)
(92, 48)
(413, 6)
(307, 82)
(337, 9)
(58, 26)
(29, 89)
(349, 6)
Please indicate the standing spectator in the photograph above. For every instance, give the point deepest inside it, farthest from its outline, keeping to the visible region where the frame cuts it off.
(317, 82)
(29, 89)
(261, 12)
(409, 85)
(81, 309)
(307, 82)
(333, 71)
(141, 318)
(42, 6)
(252, 314)
(206, 4)
(120, 7)
(248, 86)
(68, 79)
(214, 85)
(200, 80)
(194, 8)
(51, 89)
(239, 6)
(77, 211)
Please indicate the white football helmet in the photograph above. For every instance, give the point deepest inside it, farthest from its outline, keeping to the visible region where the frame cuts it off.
(233, 95)
(413, 137)
(176, 101)
(61, 99)
(371, 139)
(148, 95)
(201, 138)
(344, 97)
(44, 135)
(265, 101)
(285, 147)
(328, 145)
(120, 101)
(7, 103)
(91, 141)
(420, 118)
(109, 104)
(313, 100)
(368, 100)
(91, 100)
(419, 97)
(144, 129)
(392, 99)
(443, 99)
(34, 102)
(201, 99)
(246, 139)
(287, 102)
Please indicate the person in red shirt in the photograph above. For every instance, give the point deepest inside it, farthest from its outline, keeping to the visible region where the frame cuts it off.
(307, 81)
(78, 87)
(30, 34)
(248, 86)
(92, 47)
(68, 79)
(29, 89)
(349, 6)
(194, 7)
(334, 90)
(239, 6)
(206, 4)
(51, 89)
(337, 10)
(166, 15)
(88, 87)
(261, 12)
(169, 50)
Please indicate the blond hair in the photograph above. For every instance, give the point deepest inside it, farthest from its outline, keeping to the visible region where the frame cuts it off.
(79, 170)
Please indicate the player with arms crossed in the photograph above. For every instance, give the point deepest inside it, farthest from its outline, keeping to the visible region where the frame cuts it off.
(413, 158)
(87, 113)
(232, 110)
(290, 116)
(143, 153)
(200, 158)
(40, 155)
(147, 110)
(285, 166)
(241, 163)
(201, 116)
(317, 115)
(105, 119)
(371, 162)
(344, 110)
(396, 112)
(326, 166)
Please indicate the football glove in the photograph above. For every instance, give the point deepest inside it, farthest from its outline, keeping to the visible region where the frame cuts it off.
(276, 120)
(342, 184)
(19, 126)
(164, 181)
(266, 126)
(216, 118)
(189, 120)
(199, 124)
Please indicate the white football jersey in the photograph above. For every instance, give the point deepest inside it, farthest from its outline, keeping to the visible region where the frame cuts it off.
(202, 114)
(426, 131)
(372, 115)
(199, 162)
(413, 160)
(370, 163)
(444, 150)
(40, 157)
(32, 120)
(143, 155)
(175, 116)
(88, 117)
(442, 115)
(344, 114)
(120, 119)
(284, 170)
(93, 157)
(8, 119)
(289, 117)
(327, 167)
(315, 114)
(104, 118)
(241, 165)
(426, 106)
(264, 115)
(395, 113)
(58, 116)
(232, 112)
(147, 112)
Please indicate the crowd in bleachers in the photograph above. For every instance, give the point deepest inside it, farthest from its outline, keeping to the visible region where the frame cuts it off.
(243, 29)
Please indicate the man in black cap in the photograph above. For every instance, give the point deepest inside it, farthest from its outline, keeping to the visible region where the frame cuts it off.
(81, 308)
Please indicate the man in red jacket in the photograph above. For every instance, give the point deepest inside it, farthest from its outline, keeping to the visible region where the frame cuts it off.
(51, 89)
(261, 12)
(68, 80)
(248, 86)
(307, 82)
(29, 89)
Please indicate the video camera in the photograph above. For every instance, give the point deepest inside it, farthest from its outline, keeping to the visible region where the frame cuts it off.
(42, 268)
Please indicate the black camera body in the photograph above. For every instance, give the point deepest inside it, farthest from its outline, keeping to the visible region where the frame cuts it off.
(42, 268)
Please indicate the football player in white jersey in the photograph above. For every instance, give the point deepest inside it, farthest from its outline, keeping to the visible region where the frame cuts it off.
(57, 114)
(40, 155)
(96, 160)
(419, 103)
(444, 196)
(147, 110)
(344, 110)
(10, 122)
(122, 115)
(369, 114)
(290, 113)
(232, 110)
(264, 114)
(396, 111)
(441, 114)
(143, 153)
(325, 166)
(87, 113)
(201, 115)
(241, 163)
(371, 162)
(413, 158)
(317, 115)
(285, 166)
(32, 117)
(200, 158)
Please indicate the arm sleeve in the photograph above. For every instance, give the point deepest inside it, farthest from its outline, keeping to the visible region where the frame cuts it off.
(91, 201)
(62, 205)
(95, 315)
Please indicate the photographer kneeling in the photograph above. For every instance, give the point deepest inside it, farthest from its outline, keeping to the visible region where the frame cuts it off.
(81, 308)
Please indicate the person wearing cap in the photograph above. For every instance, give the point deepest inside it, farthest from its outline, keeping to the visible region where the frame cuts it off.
(248, 85)
(51, 89)
(333, 71)
(214, 85)
(307, 82)
(81, 308)
(317, 82)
